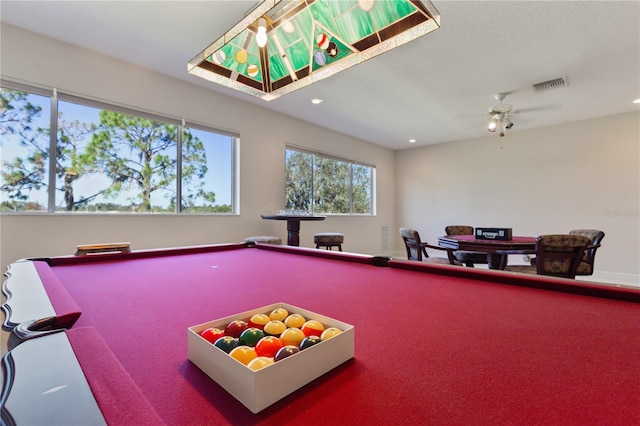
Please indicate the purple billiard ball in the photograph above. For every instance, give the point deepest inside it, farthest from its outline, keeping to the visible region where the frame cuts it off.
(286, 351)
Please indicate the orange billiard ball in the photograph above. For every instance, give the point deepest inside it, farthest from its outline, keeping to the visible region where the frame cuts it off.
(268, 346)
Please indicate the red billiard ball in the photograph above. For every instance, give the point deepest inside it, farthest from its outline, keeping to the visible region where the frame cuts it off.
(212, 334)
(227, 343)
(286, 351)
(268, 346)
(235, 328)
(259, 320)
(309, 341)
(312, 328)
(251, 336)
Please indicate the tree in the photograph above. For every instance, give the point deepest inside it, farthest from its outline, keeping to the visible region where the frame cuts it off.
(21, 175)
(140, 154)
(298, 180)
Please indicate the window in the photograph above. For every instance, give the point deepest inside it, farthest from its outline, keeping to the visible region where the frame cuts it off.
(318, 183)
(109, 159)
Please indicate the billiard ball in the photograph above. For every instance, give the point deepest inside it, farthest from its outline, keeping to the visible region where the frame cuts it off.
(292, 336)
(268, 346)
(274, 328)
(312, 328)
(309, 341)
(235, 328)
(330, 332)
(278, 314)
(243, 354)
(286, 351)
(212, 334)
(226, 343)
(294, 320)
(259, 320)
(260, 362)
(251, 336)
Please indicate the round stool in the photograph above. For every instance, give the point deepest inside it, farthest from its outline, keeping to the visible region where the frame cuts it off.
(264, 239)
(329, 240)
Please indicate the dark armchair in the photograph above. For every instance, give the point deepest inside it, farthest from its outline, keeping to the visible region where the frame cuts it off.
(468, 258)
(557, 255)
(417, 250)
(586, 265)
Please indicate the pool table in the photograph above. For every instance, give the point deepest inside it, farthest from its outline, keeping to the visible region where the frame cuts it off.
(434, 344)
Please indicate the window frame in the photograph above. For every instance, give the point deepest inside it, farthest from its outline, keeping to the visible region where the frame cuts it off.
(181, 123)
(333, 157)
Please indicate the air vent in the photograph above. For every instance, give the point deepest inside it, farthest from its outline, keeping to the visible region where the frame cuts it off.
(551, 84)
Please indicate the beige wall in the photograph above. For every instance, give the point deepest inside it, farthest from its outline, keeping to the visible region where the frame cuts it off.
(549, 180)
(553, 179)
(30, 58)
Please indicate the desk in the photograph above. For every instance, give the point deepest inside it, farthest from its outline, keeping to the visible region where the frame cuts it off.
(293, 225)
(434, 344)
(496, 260)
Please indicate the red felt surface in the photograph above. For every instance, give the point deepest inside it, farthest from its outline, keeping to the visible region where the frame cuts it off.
(430, 349)
(117, 395)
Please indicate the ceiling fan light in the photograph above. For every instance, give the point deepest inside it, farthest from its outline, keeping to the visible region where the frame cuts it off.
(507, 123)
(492, 125)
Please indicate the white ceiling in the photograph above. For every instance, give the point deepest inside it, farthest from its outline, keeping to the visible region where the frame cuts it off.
(435, 89)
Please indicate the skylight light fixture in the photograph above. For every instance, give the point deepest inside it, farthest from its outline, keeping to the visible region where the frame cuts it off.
(284, 45)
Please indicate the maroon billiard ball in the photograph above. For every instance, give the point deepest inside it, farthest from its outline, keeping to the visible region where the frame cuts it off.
(286, 351)
(309, 341)
(212, 334)
(268, 346)
(235, 328)
(227, 343)
(251, 336)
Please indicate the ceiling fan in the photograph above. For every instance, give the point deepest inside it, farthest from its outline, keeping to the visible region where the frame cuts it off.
(499, 115)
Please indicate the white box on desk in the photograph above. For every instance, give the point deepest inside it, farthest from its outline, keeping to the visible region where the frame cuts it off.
(259, 389)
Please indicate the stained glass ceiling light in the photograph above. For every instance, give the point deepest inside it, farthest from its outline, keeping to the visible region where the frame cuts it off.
(307, 41)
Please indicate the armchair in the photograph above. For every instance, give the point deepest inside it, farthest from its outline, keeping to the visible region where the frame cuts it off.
(417, 250)
(468, 258)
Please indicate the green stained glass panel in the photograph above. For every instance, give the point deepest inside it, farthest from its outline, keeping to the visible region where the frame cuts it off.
(387, 12)
(298, 55)
(354, 25)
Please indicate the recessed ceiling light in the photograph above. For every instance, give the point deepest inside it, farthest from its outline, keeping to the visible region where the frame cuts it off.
(412, 141)
(316, 101)
(637, 101)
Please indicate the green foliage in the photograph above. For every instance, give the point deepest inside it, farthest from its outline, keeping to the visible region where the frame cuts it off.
(21, 175)
(318, 184)
(136, 154)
